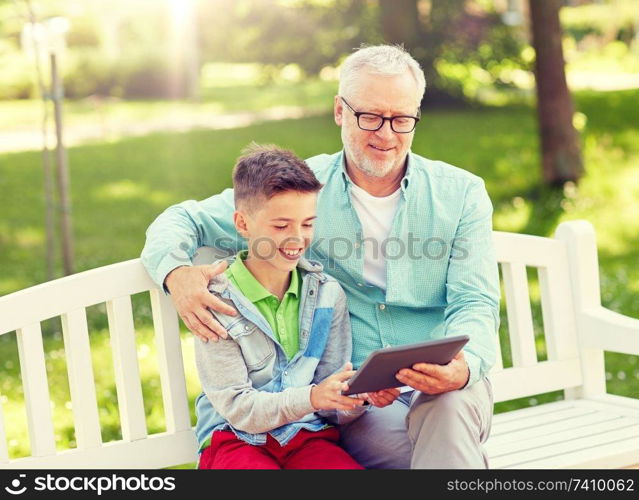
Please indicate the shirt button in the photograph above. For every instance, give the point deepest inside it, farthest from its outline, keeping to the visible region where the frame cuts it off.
(246, 327)
(382, 307)
(357, 244)
(285, 373)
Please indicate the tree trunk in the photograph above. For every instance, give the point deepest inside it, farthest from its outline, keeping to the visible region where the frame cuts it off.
(400, 22)
(559, 140)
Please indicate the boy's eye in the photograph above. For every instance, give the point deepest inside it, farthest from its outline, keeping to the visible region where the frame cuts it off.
(308, 225)
(279, 227)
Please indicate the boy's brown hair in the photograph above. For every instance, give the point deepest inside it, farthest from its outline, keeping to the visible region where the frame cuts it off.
(266, 170)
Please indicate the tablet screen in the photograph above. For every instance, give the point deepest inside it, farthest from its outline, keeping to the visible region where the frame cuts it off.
(379, 369)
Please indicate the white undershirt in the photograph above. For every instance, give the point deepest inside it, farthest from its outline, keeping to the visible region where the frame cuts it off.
(376, 215)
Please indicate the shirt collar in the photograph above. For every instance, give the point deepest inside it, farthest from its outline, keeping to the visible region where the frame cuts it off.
(250, 287)
(341, 159)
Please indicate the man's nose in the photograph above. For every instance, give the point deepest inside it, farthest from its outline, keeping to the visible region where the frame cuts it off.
(386, 131)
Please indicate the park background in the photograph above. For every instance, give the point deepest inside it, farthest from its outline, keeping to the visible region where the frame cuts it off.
(160, 96)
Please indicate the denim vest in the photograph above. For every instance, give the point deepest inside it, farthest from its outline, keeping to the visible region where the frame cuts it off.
(266, 362)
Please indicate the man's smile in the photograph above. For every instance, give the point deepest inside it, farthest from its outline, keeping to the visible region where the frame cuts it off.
(379, 148)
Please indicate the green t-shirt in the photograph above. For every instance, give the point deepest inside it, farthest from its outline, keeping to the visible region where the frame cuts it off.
(283, 317)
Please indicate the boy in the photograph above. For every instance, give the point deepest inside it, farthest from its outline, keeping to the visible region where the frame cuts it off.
(271, 387)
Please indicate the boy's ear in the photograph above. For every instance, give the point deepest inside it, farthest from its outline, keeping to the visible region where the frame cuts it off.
(239, 219)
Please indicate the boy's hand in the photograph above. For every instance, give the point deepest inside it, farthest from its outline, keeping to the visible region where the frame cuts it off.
(381, 398)
(188, 286)
(327, 395)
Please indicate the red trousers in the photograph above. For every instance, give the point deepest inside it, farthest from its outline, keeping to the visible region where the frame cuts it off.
(307, 450)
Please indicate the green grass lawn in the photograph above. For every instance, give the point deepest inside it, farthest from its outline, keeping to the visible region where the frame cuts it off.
(105, 112)
(118, 188)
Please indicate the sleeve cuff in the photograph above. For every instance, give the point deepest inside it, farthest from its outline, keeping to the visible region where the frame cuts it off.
(474, 364)
(171, 261)
(299, 402)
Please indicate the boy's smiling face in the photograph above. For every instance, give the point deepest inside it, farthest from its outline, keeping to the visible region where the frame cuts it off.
(280, 229)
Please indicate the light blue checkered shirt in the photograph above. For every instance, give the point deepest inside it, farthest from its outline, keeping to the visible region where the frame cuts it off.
(441, 271)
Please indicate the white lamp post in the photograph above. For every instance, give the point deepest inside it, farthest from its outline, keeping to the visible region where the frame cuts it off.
(47, 39)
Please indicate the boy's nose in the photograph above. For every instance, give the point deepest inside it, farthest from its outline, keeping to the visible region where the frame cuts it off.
(295, 237)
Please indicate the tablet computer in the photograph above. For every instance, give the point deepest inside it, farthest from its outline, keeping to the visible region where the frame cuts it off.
(379, 369)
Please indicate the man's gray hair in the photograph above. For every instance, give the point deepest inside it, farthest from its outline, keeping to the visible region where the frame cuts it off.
(388, 60)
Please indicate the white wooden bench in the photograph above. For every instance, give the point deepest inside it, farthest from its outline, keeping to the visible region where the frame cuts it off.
(589, 428)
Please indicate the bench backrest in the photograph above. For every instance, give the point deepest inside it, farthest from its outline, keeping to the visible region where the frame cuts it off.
(568, 275)
(69, 297)
(516, 253)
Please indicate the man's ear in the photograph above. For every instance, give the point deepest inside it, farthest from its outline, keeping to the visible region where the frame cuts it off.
(239, 219)
(338, 110)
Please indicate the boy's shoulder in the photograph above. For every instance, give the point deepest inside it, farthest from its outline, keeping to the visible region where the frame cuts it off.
(315, 270)
(330, 290)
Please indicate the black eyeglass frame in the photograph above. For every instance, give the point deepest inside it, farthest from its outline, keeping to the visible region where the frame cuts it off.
(383, 118)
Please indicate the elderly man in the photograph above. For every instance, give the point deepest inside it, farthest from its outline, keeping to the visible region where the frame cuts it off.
(408, 238)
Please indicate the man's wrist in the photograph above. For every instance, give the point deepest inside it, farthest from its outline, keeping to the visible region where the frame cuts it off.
(467, 377)
(168, 276)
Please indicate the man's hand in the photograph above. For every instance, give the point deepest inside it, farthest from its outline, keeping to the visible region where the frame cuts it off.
(436, 379)
(327, 395)
(381, 398)
(189, 291)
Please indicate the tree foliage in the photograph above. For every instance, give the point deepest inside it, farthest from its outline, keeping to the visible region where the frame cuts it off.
(316, 33)
(121, 48)
(309, 33)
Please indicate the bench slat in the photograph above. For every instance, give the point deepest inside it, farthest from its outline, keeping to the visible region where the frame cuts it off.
(81, 380)
(530, 422)
(525, 249)
(520, 326)
(36, 390)
(126, 368)
(533, 410)
(595, 417)
(560, 432)
(619, 404)
(545, 376)
(154, 452)
(167, 336)
(557, 311)
(615, 438)
(519, 417)
(609, 456)
(84, 289)
(581, 262)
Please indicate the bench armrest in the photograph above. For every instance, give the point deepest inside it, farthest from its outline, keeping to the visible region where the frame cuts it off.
(604, 329)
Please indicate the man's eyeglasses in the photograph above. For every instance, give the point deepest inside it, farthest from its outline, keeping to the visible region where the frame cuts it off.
(402, 124)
